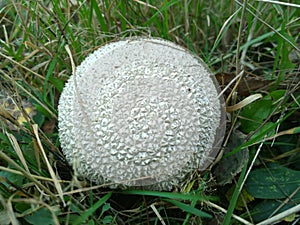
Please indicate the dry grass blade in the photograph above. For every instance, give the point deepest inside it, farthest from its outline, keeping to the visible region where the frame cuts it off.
(285, 201)
(28, 93)
(239, 40)
(280, 216)
(240, 219)
(7, 215)
(22, 66)
(4, 218)
(223, 28)
(244, 102)
(7, 116)
(146, 4)
(34, 176)
(40, 186)
(238, 77)
(294, 130)
(18, 150)
(10, 212)
(272, 28)
(51, 171)
(280, 3)
(251, 165)
(157, 214)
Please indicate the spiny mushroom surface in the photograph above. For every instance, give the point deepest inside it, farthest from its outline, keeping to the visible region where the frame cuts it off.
(140, 112)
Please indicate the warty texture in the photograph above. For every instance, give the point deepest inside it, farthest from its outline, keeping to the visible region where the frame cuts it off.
(140, 112)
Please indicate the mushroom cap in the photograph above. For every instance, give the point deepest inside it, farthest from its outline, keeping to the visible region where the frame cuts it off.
(140, 112)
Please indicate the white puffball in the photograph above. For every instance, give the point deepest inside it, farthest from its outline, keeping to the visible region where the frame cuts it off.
(140, 112)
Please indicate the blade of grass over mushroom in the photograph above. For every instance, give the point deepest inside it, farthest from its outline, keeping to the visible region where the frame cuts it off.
(92, 209)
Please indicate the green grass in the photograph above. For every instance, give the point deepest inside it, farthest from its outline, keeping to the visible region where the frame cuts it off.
(259, 38)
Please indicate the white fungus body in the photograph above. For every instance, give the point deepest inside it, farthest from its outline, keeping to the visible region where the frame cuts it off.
(140, 112)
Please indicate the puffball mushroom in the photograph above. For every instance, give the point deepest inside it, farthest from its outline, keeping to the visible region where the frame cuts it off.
(140, 112)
